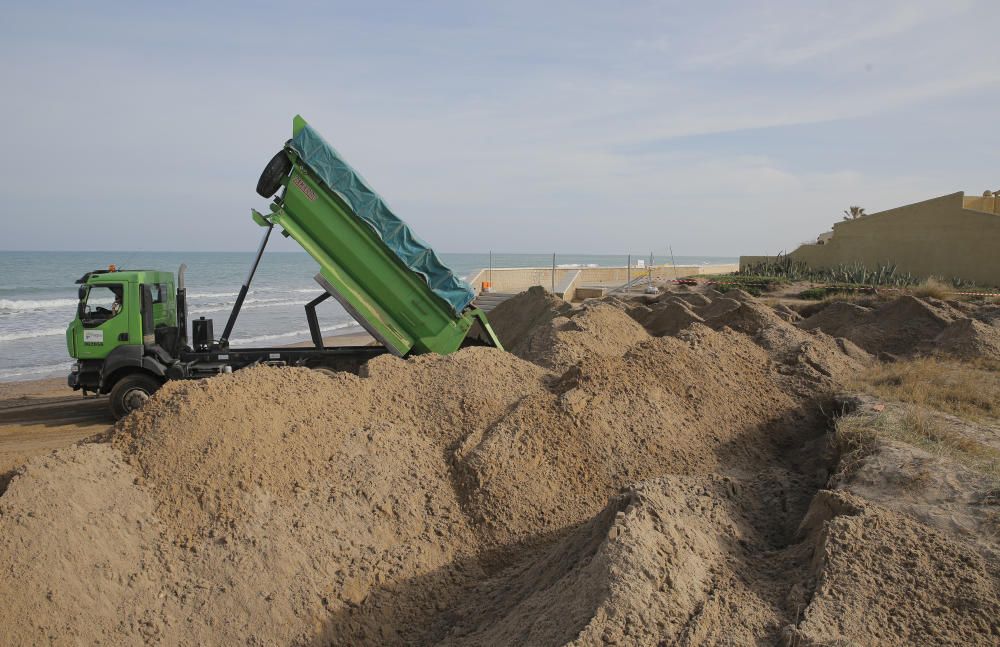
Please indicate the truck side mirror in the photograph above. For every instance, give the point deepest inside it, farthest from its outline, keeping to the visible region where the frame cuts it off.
(81, 295)
(146, 307)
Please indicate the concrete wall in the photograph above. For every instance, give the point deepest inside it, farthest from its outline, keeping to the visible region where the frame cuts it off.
(938, 237)
(570, 279)
(979, 203)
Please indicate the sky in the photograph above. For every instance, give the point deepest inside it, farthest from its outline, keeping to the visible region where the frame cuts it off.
(712, 128)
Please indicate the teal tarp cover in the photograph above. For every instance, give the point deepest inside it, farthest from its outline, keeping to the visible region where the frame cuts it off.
(415, 254)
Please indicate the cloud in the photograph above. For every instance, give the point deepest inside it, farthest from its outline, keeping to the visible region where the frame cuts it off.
(789, 34)
(521, 127)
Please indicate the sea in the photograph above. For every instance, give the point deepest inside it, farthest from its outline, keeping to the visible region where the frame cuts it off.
(38, 295)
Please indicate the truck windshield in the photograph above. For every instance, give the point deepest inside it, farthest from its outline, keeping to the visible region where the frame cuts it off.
(101, 302)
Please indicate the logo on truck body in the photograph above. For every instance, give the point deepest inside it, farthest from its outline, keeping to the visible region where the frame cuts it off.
(304, 188)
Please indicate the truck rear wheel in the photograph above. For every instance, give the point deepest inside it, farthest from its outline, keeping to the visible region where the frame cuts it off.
(130, 393)
(274, 173)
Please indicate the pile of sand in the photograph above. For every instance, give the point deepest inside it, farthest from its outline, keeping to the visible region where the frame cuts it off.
(599, 483)
(898, 327)
(516, 319)
(543, 329)
(910, 325)
(969, 339)
(666, 317)
(988, 313)
(561, 335)
(883, 578)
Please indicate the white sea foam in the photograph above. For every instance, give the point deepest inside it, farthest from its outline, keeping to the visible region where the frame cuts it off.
(23, 305)
(31, 334)
(249, 304)
(294, 333)
(210, 295)
(36, 371)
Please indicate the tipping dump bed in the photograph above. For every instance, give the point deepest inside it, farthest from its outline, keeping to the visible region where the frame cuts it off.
(366, 204)
(380, 271)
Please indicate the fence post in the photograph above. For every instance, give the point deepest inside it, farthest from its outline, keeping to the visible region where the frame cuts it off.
(553, 273)
(628, 275)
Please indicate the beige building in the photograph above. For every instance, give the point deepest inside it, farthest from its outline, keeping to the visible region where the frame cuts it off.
(950, 237)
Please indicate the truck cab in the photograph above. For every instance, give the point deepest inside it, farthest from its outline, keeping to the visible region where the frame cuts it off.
(129, 337)
(124, 335)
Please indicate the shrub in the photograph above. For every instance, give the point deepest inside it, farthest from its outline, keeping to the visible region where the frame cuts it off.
(933, 288)
(813, 294)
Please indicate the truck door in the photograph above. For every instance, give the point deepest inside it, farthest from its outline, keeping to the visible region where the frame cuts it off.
(104, 315)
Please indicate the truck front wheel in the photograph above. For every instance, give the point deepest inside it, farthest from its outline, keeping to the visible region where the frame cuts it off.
(130, 393)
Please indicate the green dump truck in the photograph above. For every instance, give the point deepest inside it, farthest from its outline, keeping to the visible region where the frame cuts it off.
(130, 333)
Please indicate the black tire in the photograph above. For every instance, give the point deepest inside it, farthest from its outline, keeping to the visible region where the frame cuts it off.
(274, 173)
(130, 393)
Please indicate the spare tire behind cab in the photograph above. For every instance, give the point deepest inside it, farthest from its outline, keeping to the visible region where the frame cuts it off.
(275, 171)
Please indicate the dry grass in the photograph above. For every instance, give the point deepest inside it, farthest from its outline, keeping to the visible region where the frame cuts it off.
(934, 288)
(924, 388)
(861, 298)
(858, 435)
(965, 389)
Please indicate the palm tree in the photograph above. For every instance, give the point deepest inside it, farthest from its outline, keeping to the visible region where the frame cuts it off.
(853, 213)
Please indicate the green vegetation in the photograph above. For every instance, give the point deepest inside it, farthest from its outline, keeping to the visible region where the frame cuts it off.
(741, 277)
(814, 294)
(754, 285)
(752, 290)
(854, 274)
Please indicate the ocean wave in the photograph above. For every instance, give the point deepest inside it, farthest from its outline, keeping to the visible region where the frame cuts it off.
(34, 371)
(25, 305)
(229, 302)
(294, 333)
(31, 334)
(249, 304)
(7, 289)
(253, 291)
(210, 295)
(257, 301)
